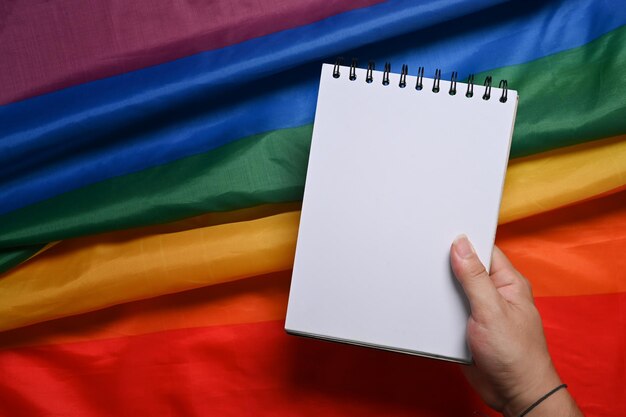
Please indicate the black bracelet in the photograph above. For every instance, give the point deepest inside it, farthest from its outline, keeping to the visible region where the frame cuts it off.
(540, 400)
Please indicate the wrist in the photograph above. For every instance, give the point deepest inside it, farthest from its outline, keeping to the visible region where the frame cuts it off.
(536, 387)
(559, 404)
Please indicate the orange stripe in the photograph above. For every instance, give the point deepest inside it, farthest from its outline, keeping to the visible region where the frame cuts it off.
(571, 251)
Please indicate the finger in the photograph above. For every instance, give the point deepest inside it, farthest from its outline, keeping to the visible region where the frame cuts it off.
(503, 273)
(500, 262)
(471, 274)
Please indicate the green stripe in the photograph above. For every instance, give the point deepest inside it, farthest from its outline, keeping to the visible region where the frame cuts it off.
(566, 98)
(13, 257)
(571, 97)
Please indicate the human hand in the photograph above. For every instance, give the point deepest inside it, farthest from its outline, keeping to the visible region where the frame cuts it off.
(512, 367)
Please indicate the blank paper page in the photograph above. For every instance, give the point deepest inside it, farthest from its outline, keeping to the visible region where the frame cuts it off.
(394, 175)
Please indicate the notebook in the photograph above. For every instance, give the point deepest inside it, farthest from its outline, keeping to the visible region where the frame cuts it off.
(399, 166)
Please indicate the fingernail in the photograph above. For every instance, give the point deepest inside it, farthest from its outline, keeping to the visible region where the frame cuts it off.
(463, 247)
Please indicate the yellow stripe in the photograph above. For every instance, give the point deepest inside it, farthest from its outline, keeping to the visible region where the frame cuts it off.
(558, 178)
(90, 273)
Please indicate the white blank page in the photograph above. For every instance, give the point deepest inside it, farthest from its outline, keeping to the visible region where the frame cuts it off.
(394, 175)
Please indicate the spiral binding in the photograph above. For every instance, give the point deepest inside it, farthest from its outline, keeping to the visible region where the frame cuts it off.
(371, 66)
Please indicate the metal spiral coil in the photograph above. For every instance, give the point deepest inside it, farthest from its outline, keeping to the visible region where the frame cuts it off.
(369, 78)
(386, 73)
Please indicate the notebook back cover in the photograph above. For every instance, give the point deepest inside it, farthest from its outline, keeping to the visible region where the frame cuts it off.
(394, 175)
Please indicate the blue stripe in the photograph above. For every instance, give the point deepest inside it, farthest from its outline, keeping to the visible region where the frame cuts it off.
(81, 135)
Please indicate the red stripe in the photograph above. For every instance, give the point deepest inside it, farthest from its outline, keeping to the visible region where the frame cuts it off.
(48, 45)
(587, 339)
(238, 370)
(256, 369)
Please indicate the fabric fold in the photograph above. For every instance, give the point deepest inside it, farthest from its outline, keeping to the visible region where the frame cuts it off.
(14, 256)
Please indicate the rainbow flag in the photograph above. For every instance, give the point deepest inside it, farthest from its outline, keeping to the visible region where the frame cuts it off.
(152, 164)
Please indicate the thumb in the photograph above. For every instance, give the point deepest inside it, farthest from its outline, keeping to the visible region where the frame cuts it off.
(473, 277)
